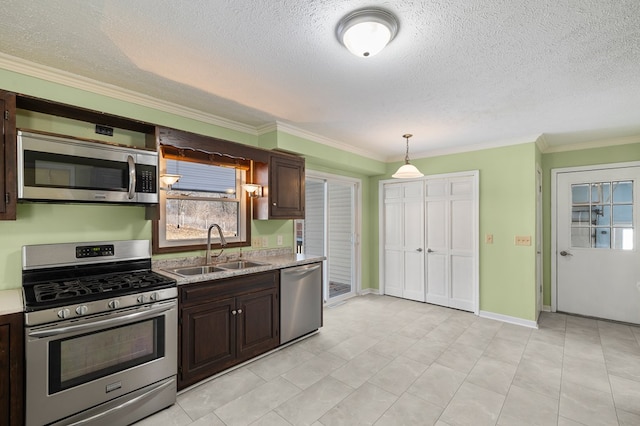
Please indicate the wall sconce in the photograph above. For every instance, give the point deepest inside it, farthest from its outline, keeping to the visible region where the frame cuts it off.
(168, 180)
(253, 190)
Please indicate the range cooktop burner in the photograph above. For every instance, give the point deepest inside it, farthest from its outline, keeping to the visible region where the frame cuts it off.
(96, 285)
(80, 277)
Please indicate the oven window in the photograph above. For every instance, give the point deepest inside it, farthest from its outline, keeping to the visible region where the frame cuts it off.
(83, 358)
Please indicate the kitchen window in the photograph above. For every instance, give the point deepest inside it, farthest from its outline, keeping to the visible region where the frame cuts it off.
(209, 191)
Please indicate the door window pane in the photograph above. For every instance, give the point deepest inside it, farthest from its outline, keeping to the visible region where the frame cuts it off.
(580, 215)
(580, 194)
(600, 192)
(623, 192)
(602, 238)
(581, 237)
(602, 215)
(622, 238)
(622, 215)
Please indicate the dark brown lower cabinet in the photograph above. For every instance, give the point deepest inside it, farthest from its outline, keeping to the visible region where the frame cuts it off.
(11, 369)
(225, 322)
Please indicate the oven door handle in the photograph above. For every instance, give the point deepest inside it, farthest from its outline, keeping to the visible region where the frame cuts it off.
(111, 322)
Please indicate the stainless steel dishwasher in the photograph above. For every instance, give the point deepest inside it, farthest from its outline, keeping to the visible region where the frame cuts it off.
(300, 301)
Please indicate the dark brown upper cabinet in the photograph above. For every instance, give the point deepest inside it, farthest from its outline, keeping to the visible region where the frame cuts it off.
(282, 179)
(8, 161)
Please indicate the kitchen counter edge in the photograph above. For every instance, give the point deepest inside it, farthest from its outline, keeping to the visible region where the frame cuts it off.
(270, 263)
(11, 301)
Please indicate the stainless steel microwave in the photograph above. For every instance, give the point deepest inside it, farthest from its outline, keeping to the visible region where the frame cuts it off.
(64, 169)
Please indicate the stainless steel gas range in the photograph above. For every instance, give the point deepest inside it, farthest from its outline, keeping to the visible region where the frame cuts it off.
(100, 333)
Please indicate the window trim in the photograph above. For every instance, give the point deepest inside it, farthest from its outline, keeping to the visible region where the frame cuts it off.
(214, 159)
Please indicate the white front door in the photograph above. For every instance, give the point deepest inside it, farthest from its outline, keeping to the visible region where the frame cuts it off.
(451, 240)
(597, 257)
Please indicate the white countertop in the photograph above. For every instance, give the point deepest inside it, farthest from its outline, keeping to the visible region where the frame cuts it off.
(11, 301)
(270, 263)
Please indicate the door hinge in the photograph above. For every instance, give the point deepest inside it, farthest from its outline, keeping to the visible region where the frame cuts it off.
(6, 114)
(179, 320)
(6, 198)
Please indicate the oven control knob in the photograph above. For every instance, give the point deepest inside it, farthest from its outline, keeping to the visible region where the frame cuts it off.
(154, 296)
(82, 310)
(64, 313)
(141, 298)
(113, 304)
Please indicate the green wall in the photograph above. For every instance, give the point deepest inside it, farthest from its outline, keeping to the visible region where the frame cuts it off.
(507, 209)
(507, 194)
(51, 223)
(585, 157)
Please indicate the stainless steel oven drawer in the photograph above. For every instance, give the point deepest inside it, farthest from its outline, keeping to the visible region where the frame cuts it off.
(128, 408)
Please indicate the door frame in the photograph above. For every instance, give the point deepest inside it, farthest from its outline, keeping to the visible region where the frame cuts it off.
(554, 215)
(539, 243)
(475, 174)
(357, 255)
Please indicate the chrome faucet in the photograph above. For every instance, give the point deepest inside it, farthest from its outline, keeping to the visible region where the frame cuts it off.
(223, 242)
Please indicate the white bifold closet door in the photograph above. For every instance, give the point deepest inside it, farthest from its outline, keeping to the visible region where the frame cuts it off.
(404, 240)
(450, 242)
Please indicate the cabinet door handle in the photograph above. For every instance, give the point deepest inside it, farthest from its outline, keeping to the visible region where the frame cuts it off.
(234, 312)
(274, 204)
(239, 311)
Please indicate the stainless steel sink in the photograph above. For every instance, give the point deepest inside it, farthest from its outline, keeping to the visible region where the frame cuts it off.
(240, 264)
(220, 267)
(197, 270)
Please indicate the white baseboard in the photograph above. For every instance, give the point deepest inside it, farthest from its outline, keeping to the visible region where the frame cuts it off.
(369, 291)
(546, 308)
(510, 320)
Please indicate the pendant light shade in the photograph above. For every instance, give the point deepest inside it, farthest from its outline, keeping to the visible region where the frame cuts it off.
(366, 32)
(407, 171)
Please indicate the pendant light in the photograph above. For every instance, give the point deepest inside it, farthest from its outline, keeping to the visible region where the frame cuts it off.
(407, 171)
(365, 32)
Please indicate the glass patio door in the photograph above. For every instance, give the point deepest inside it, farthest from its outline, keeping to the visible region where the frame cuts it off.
(329, 229)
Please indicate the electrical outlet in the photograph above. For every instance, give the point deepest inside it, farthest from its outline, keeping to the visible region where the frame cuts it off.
(265, 242)
(256, 242)
(488, 238)
(523, 240)
(279, 240)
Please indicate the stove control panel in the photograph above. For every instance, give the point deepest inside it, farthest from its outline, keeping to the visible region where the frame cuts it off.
(95, 251)
(72, 312)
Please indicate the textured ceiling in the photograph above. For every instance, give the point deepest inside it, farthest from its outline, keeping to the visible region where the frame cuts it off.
(460, 73)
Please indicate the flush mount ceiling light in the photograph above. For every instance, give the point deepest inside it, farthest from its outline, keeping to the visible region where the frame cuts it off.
(366, 32)
(407, 170)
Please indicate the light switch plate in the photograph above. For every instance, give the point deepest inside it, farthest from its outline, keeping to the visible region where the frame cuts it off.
(488, 238)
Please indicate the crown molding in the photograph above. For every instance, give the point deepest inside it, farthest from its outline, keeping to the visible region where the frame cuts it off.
(313, 137)
(462, 149)
(543, 143)
(43, 72)
(598, 143)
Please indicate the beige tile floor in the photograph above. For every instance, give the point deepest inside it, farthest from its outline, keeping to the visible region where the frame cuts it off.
(387, 361)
